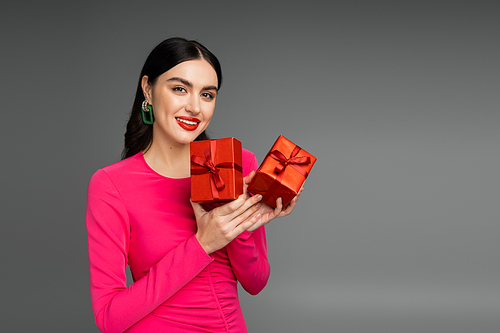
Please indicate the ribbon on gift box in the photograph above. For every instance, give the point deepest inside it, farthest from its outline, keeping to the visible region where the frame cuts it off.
(209, 166)
(293, 161)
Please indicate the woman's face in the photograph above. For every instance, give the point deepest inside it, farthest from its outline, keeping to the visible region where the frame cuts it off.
(183, 101)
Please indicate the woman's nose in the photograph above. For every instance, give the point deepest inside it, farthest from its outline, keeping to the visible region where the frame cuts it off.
(193, 105)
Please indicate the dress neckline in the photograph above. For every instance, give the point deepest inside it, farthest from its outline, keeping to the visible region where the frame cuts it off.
(143, 159)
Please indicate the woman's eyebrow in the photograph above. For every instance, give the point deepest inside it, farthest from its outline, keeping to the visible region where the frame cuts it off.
(210, 88)
(183, 81)
(189, 84)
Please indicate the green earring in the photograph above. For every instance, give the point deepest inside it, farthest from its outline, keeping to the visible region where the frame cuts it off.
(147, 113)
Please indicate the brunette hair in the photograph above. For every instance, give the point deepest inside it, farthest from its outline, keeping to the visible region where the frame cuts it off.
(163, 57)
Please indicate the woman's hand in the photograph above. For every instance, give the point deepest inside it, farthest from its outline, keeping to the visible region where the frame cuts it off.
(268, 213)
(221, 225)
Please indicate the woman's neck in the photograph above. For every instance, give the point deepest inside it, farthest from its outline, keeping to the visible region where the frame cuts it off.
(171, 161)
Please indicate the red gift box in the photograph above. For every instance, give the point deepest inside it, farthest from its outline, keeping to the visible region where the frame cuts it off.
(282, 173)
(216, 170)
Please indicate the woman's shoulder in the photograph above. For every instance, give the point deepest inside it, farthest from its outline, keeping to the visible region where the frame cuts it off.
(247, 155)
(249, 161)
(118, 169)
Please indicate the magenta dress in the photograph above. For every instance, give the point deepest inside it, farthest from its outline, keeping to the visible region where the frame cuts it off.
(140, 218)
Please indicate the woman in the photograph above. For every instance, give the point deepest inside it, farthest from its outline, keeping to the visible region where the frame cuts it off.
(185, 260)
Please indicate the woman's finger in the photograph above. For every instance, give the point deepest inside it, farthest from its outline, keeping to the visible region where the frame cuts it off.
(230, 207)
(198, 210)
(231, 228)
(279, 206)
(250, 225)
(246, 182)
(250, 206)
(291, 206)
(249, 178)
(247, 203)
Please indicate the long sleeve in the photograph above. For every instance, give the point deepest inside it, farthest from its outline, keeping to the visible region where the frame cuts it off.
(248, 255)
(248, 252)
(116, 307)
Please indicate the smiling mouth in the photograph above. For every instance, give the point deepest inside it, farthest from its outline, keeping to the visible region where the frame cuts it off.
(188, 122)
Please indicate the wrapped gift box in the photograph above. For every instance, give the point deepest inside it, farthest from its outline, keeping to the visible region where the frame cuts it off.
(282, 172)
(216, 170)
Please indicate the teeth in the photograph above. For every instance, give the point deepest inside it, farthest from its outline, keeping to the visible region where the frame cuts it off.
(192, 123)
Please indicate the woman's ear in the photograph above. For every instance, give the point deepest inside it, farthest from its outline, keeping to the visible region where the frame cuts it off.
(146, 88)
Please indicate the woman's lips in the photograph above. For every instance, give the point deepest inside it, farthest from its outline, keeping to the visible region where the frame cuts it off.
(188, 123)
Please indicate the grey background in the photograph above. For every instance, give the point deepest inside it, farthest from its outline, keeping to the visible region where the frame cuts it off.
(397, 228)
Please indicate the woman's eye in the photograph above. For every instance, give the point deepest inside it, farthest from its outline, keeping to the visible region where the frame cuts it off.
(179, 89)
(208, 96)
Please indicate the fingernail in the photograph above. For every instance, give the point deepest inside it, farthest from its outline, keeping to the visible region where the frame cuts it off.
(258, 197)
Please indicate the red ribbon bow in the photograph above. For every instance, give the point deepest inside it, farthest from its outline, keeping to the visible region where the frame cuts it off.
(292, 161)
(216, 182)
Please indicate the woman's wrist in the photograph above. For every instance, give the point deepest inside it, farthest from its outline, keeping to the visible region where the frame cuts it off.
(204, 246)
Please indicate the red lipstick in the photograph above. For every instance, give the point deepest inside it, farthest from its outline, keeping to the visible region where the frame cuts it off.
(188, 123)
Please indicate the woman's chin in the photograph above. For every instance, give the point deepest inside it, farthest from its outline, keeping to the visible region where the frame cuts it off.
(187, 138)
